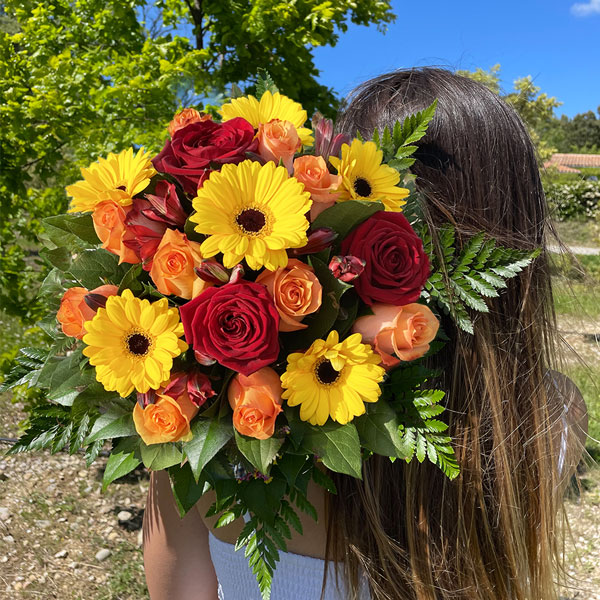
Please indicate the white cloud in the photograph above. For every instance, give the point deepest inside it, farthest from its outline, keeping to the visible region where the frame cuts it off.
(585, 10)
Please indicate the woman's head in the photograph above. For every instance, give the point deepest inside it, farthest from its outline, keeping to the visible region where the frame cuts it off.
(489, 534)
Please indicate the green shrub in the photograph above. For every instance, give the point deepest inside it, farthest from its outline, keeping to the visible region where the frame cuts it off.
(575, 200)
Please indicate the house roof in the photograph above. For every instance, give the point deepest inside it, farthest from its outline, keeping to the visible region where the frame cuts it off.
(560, 168)
(574, 160)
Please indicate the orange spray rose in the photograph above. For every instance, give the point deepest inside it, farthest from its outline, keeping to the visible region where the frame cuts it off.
(278, 140)
(296, 290)
(74, 311)
(256, 402)
(165, 420)
(398, 333)
(109, 223)
(173, 266)
(185, 117)
(312, 171)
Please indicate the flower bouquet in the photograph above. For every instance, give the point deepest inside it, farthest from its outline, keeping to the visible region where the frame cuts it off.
(250, 309)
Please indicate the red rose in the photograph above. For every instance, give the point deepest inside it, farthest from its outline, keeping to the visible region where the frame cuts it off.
(396, 265)
(196, 148)
(237, 325)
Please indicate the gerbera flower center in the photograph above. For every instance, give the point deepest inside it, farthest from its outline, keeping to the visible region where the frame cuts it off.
(251, 220)
(362, 187)
(138, 343)
(325, 372)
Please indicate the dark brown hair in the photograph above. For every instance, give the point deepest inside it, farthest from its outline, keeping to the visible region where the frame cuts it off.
(491, 533)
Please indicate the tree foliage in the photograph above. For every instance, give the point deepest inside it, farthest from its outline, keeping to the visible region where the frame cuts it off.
(535, 108)
(81, 79)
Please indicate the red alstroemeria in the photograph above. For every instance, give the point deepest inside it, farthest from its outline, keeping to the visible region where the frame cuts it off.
(326, 144)
(147, 233)
(346, 268)
(196, 384)
(166, 206)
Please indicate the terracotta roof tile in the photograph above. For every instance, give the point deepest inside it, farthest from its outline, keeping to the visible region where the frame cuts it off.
(575, 160)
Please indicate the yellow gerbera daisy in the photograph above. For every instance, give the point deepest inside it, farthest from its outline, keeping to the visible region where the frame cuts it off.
(132, 342)
(253, 212)
(365, 178)
(118, 177)
(333, 379)
(271, 106)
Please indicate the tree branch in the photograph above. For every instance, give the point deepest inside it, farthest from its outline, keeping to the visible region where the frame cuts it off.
(195, 7)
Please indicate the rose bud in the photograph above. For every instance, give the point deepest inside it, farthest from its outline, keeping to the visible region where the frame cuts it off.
(312, 171)
(196, 384)
(237, 273)
(166, 420)
(326, 144)
(145, 234)
(346, 268)
(75, 310)
(398, 333)
(184, 118)
(109, 223)
(165, 205)
(256, 402)
(318, 240)
(296, 292)
(173, 266)
(278, 140)
(212, 272)
(145, 398)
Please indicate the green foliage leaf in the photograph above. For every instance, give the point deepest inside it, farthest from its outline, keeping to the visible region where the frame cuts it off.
(209, 437)
(93, 268)
(186, 490)
(464, 281)
(338, 446)
(260, 453)
(264, 83)
(160, 456)
(72, 231)
(115, 422)
(378, 430)
(124, 458)
(346, 216)
(262, 498)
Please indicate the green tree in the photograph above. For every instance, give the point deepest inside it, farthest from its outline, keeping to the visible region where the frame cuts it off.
(535, 108)
(79, 79)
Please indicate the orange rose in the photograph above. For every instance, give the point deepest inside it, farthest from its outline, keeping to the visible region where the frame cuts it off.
(167, 420)
(109, 223)
(173, 266)
(185, 117)
(74, 311)
(296, 291)
(398, 333)
(256, 402)
(278, 140)
(312, 171)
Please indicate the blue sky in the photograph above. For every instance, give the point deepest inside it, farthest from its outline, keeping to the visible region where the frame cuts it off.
(556, 42)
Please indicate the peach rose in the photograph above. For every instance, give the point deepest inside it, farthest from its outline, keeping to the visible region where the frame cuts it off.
(166, 420)
(74, 311)
(312, 171)
(296, 290)
(186, 117)
(278, 140)
(398, 333)
(109, 223)
(256, 402)
(173, 266)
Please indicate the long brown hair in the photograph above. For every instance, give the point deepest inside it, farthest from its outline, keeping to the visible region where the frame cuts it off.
(491, 533)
